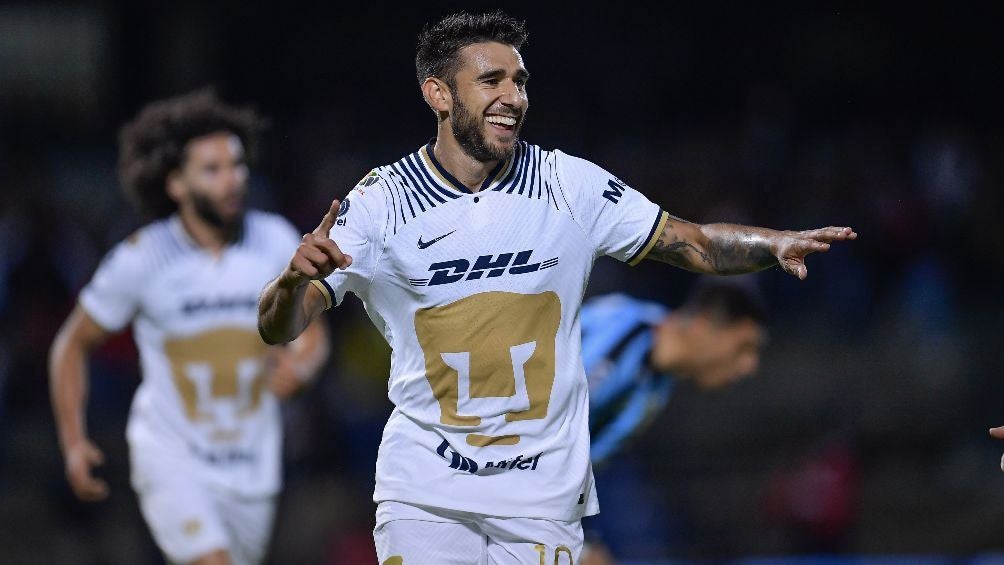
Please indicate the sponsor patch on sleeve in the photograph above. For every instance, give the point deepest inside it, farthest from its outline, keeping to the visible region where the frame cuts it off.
(369, 180)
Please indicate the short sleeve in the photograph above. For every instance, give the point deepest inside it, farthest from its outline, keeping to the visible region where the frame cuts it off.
(357, 235)
(619, 221)
(112, 296)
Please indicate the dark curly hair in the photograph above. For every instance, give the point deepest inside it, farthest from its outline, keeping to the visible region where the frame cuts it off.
(153, 143)
(438, 45)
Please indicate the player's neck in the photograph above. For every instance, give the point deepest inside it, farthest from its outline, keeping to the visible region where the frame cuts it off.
(462, 166)
(207, 236)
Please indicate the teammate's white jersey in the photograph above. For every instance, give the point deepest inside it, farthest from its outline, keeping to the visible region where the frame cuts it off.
(478, 295)
(203, 397)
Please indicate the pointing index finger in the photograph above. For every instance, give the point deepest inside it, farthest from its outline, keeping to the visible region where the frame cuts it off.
(328, 220)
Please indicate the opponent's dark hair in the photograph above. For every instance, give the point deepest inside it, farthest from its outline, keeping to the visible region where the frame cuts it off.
(724, 303)
(439, 44)
(153, 143)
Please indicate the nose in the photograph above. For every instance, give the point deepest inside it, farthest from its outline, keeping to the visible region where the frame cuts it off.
(511, 93)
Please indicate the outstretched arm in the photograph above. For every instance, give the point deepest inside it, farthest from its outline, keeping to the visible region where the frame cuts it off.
(730, 249)
(290, 303)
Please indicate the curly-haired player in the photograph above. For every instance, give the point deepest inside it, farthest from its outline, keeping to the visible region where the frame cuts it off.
(204, 431)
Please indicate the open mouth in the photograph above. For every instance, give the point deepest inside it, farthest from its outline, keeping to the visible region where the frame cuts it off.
(501, 124)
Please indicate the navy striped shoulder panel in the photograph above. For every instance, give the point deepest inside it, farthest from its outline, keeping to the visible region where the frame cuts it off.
(410, 191)
(414, 185)
(531, 174)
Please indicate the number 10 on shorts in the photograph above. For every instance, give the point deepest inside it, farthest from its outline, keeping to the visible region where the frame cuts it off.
(558, 552)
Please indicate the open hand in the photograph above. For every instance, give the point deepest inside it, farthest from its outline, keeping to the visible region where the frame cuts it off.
(317, 255)
(81, 457)
(792, 247)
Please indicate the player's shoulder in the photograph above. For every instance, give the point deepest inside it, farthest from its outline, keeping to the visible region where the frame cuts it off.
(402, 189)
(575, 177)
(369, 192)
(147, 248)
(269, 223)
(574, 167)
(268, 232)
(157, 237)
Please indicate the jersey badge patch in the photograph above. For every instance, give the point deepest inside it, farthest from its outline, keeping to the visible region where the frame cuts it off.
(369, 180)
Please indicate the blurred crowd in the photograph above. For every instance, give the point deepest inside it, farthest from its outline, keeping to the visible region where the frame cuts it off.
(864, 431)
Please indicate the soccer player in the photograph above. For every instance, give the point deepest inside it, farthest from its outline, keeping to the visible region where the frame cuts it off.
(635, 352)
(204, 431)
(471, 256)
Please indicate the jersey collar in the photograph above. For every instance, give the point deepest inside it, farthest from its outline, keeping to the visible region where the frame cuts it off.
(447, 180)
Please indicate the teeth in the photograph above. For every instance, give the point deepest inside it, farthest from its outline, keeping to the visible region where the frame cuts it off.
(502, 120)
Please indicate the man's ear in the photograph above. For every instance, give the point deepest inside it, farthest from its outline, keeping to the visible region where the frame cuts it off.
(175, 187)
(438, 96)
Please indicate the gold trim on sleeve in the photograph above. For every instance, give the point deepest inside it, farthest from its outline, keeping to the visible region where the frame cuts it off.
(324, 292)
(656, 234)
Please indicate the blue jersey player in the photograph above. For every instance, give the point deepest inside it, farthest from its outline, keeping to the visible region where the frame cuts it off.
(634, 353)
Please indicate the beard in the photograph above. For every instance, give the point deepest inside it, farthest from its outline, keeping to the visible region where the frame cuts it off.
(468, 129)
(207, 211)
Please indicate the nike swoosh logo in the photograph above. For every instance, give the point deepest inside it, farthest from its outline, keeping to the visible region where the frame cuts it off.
(424, 244)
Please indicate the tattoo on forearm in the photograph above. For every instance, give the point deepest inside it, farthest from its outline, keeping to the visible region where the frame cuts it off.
(677, 253)
(732, 250)
(740, 252)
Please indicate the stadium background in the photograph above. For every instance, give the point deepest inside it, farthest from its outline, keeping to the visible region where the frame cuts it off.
(865, 431)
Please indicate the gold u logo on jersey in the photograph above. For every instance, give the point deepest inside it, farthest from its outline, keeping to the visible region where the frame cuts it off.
(491, 355)
(222, 364)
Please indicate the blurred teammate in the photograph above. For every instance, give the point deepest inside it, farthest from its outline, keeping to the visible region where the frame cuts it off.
(634, 352)
(204, 431)
(471, 255)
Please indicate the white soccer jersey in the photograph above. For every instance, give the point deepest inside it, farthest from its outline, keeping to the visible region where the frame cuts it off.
(478, 295)
(203, 397)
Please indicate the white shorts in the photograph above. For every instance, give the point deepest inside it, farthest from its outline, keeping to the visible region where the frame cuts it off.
(413, 535)
(190, 519)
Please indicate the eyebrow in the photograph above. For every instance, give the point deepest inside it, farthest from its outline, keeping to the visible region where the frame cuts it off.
(499, 73)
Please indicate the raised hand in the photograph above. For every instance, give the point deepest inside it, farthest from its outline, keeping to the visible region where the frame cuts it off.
(317, 255)
(791, 247)
(81, 458)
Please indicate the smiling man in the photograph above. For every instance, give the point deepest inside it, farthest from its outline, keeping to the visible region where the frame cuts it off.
(471, 256)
